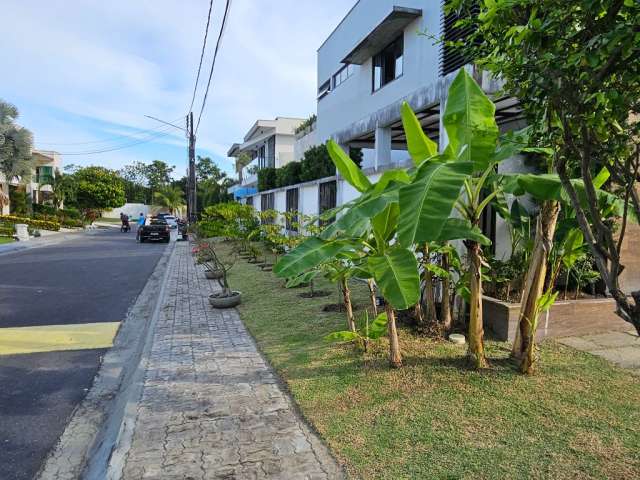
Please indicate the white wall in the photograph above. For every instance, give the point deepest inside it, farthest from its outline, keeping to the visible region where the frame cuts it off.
(284, 149)
(353, 100)
(131, 209)
(303, 144)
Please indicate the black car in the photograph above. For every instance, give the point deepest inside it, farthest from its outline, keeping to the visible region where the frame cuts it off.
(156, 230)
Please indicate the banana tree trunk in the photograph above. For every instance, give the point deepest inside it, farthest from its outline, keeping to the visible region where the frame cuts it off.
(524, 344)
(445, 312)
(475, 351)
(430, 315)
(346, 297)
(372, 297)
(395, 357)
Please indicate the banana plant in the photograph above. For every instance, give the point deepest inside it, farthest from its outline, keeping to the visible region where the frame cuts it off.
(456, 179)
(365, 334)
(367, 228)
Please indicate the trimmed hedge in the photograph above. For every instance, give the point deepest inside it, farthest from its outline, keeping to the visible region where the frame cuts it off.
(39, 224)
(7, 230)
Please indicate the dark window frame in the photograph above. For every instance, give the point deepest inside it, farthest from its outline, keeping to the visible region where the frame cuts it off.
(327, 199)
(342, 75)
(380, 60)
(292, 205)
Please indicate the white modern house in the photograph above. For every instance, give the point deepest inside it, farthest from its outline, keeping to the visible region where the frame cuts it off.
(46, 162)
(268, 143)
(376, 58)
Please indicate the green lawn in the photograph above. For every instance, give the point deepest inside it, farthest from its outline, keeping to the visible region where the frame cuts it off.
(6, 240)
(579, 418)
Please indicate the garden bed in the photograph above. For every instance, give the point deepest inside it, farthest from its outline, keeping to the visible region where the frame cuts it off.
(433, 418)
(566, 318)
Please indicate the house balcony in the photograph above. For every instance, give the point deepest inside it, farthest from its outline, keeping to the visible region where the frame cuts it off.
(250, 174)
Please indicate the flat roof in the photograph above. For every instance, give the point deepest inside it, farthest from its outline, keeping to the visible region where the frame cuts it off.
(392, 26)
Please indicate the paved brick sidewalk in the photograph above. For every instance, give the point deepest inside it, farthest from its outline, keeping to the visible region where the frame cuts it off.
(621, 348)
(211, 407)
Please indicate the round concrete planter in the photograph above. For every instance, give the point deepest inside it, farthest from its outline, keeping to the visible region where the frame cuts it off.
(218, 301)
(214, 274)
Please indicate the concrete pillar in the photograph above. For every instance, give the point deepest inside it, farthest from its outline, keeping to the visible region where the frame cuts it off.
(4, 191)
(382, 147)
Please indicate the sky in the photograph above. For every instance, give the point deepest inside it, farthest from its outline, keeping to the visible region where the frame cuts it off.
(84, 73)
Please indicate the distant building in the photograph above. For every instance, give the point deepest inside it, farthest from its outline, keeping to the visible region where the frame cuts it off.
(374, 60)
(268, 143)
(46, 163)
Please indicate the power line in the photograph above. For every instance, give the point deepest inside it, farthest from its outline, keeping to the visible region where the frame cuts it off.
(204, 46)
(213, 63)
(121, 147)
(138, 136)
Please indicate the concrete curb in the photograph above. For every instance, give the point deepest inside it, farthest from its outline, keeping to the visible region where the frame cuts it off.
(42, 242)
(88, 440)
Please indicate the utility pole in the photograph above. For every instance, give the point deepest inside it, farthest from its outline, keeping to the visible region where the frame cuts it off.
(192, 203)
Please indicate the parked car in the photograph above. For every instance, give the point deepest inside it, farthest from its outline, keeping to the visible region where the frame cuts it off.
(172, 221)
(155, 229)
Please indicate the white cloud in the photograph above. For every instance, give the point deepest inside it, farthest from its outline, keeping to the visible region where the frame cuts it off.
(81, 71)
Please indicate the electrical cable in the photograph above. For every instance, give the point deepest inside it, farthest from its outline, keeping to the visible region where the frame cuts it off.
(213, 63)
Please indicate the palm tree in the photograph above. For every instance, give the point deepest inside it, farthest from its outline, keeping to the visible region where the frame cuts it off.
(16, 143)
(171, 198)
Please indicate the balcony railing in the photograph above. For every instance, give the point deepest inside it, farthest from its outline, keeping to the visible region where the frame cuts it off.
(249, 178)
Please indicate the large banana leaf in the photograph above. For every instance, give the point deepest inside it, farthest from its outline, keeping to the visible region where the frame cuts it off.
(307, 255)
(396, 274)
(459, 229)
(469, 120)
(427, 202)
(548, 187)
(366, 207)
(385, 223)
(396, 175)
(419, 145)
(349, 170)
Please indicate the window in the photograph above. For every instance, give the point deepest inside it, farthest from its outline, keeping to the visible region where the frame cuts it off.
(388, 64)
(324, 89)
(44, 174)
(342, 75)
(267, 201)
(250, 201)
(261, 157)
(271, 152)
(292, 206)
(327, 199)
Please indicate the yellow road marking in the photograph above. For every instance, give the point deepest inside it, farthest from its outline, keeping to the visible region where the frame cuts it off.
(53, 338)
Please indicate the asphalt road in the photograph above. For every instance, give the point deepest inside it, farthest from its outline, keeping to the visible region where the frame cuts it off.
(94, 278)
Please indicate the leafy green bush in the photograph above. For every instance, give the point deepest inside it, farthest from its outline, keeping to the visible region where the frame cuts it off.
(232, 220)
(39, 224)
(288, 175)
(316, 164)
(70, 213)
(7, 230)
(72, 223)
(266, 179)
(44, 209)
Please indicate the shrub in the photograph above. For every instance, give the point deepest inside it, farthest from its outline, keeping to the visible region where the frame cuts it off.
(7, 230)
(72, 223)
(44, 209)
(316, 164)
(39, 224)
(266, 179)
(288, 175)
(69, 213)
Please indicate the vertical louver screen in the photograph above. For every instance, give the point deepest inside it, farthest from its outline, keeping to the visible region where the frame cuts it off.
(452, 58)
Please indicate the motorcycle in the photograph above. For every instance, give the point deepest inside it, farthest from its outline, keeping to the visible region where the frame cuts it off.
(125, 228)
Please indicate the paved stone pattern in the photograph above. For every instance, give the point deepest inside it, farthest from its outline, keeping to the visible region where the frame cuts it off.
(211, 407)
(620, 348)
